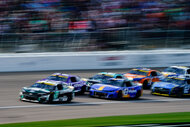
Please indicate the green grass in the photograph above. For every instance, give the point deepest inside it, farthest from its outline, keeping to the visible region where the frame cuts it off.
(110, 120)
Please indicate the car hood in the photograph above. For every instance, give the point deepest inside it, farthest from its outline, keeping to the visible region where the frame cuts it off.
(104, 87)
(165, 85)
(133, 76)
(35, 90)
(93, 81)
(169, 73)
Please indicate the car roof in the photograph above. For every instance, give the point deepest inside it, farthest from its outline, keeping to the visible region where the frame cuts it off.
(142, 69)
(49, 82)
(180, 67)
(178, 77)
(119, 79)
(110, 74)
(62, 75)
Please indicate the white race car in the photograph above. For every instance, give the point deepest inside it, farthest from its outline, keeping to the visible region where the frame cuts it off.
(48, 91)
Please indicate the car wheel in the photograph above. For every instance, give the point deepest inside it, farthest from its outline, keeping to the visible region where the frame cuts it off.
(180, 94)
(69, 97)
(145, 84)
(138, 94)
(120, 95)
(50, 100)
(83, 90)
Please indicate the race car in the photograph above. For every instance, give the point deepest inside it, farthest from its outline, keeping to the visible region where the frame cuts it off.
(176, 71)
(78, 83)
(98, 78)
(47, 91)
(144, 76)
(116, 89)
(172, 86)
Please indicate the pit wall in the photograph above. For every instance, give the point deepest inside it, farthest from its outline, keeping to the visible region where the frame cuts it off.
(92, 60)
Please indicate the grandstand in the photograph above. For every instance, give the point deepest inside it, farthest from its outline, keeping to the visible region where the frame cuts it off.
(93, 25)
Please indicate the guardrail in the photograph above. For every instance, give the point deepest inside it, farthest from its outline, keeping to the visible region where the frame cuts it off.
(92, 60)
(108, 39)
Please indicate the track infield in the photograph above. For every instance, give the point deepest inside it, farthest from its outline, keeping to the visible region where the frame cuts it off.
(182, 117)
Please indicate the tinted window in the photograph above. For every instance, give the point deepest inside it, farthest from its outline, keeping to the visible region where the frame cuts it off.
(57, 78)
(43, 86)
(138, 72)
(114, 82)
(101, 77)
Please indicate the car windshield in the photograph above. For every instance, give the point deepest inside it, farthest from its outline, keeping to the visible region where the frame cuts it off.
(57, 78)
(175, 70)
(114, 82)
(43, 86)
(175, 81)
(101, 77)
(138, 72)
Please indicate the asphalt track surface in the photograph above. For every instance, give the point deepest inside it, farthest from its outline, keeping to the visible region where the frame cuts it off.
(12, 110)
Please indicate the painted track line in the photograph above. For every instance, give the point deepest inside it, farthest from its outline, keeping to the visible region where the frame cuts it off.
(91, 103)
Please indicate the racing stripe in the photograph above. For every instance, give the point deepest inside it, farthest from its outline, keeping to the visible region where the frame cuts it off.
(101, 88)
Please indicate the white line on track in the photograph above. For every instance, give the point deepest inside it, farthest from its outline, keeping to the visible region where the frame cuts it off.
(91, 103)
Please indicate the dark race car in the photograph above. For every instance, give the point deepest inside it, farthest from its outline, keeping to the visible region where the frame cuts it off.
(46, 91)
(78, 83)
(116, 89)
(172, 86)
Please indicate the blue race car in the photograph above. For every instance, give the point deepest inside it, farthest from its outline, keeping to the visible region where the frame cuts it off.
(78, 83)
(172, 86)
(116, 89)
(100, 77)
(176, 71)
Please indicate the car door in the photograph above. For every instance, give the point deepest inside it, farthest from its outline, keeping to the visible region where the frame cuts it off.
(76, 83)
(154, 77)
(187, 87)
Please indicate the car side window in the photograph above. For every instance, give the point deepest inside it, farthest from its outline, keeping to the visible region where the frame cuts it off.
(59, 87)
(188, 82)
(128, 84)
(73, 79)
(188, 71)
(119, 76)
(78, 79)
(153, 73)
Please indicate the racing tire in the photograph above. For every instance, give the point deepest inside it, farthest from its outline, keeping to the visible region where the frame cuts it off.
(120, 95)
(145, 84)
(138, 94)
(83, 90)
(180, 94)
(69, 97)
(50, 100)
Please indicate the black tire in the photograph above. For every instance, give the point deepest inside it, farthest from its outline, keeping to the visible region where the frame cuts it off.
(120, 95)
(180, 94)
(83, 90)
(70, 97)
(50, 100)
(145, 84)
(138, 94)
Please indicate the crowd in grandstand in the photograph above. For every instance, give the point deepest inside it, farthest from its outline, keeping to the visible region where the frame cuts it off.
(29, 16)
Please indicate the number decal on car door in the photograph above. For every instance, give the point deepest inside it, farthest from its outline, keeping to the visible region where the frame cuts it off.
(186, 89)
